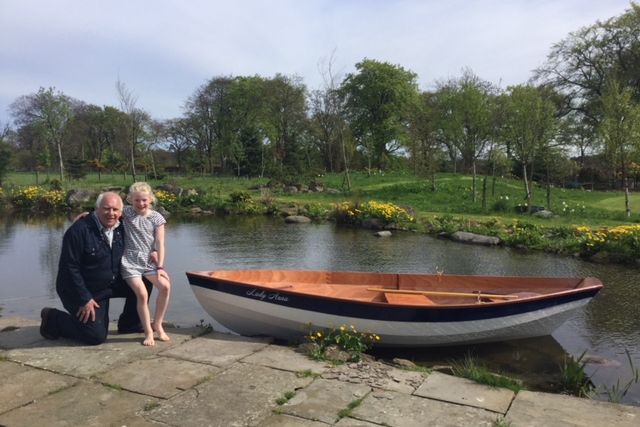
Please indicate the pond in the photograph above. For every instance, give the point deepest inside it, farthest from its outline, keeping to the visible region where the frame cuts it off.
(605, 330)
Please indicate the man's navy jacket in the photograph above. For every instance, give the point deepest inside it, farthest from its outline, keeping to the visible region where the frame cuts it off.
(88, 266)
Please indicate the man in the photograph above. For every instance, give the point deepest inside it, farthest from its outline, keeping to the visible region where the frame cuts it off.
(89, 275)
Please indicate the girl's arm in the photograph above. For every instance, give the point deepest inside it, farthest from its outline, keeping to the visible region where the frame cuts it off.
(160, 245)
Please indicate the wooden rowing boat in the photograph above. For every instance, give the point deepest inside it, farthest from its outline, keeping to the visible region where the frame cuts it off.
(403, 309)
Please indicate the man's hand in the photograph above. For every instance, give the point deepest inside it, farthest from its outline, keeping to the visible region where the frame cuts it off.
(88, 311)
(153, 257)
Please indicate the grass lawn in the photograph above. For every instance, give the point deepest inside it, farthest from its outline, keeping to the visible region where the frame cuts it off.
(452, 195)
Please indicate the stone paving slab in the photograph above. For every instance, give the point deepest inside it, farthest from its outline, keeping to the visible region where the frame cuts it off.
(394, 409)
(533, 409)
(18, 332)
(242, 395)
(281, 420)
(279, 357)
(20, 385)
(352, 422)
(217, 349)
(227, 380)
(377, 375)
(161, 377)
(85, 404)
(324, 399)
(84, 361)
(462, 391)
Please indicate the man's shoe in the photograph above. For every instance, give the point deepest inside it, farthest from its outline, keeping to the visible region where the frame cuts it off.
(130, 329)
(44, 329)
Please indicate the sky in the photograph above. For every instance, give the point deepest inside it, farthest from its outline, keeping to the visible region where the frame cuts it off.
(164, 50)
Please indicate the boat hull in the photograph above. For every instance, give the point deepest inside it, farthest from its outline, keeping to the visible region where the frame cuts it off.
(254, 311)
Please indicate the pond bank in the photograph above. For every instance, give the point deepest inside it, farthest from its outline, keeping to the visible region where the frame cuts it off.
(219, 379)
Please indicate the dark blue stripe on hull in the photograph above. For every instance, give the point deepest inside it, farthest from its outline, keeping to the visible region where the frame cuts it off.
(384, 312)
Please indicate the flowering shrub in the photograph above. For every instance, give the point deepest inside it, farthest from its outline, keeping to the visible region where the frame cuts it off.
(502, 204)
(315, 211)
(523, 234)
(26, 197)
(51, 200)
(347, 339)
(568, 210)
(356, 213)
(166, 199)
(35, 197)
(621, 243)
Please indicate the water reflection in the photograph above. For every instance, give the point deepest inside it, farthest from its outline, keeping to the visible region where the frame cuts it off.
(29, 251)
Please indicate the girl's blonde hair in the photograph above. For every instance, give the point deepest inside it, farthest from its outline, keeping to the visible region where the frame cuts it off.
(141, 187)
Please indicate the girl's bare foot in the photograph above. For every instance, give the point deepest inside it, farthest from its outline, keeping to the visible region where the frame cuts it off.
(149, 341)
(162, 335)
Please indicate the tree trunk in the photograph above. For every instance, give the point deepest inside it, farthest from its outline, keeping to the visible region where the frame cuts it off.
(484, 193)
(627, 207)
(133, 162)
(473, 184)
(526, 186)
(61, 162)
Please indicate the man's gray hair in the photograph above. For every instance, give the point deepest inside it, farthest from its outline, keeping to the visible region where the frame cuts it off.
(101, 196)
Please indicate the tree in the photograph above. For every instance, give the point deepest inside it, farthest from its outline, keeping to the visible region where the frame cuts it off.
(467, 118)
(136, 121)
(180, 140)
(208, 113)
(328, 124)
(529, 125)
(285, 122)
(5, 152)
(378, 100)
(247, 125)
(425, 145)
(48, 112)
(620, 129)
(581, 65)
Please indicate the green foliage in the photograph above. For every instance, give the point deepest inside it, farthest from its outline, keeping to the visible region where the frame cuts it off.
(5, 159)
(345, 338)
(618, 391)
(241, 203)
(240, 197)
(77, 168)
(357, 213)
(502, 204)
(524, 234)
(377, 98)
(573, 378)
(166, 199)
(316, 211)
(37, 198)
(501, 422)
(470, 369)
(350, 407)
(621, 243)
(285, 398)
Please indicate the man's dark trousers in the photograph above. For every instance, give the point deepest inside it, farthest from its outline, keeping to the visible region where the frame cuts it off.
(67, 325)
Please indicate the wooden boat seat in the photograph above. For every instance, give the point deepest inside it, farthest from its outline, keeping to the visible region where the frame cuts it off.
(408, 299)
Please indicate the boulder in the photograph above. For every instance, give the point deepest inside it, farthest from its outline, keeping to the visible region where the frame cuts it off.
(81, 198)
(544, 214)
(297, 219)
(383, 233)
(478, 239)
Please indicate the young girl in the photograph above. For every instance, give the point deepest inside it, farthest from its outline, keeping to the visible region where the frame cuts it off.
(144, 233)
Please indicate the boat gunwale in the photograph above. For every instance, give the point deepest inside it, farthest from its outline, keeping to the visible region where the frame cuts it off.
(208, 275)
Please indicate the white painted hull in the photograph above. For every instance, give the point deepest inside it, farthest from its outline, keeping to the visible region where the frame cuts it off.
(253, 317)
